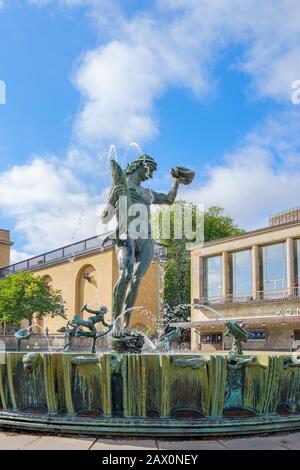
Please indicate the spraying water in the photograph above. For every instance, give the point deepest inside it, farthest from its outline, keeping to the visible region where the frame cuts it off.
(112, 151)
(43, 332)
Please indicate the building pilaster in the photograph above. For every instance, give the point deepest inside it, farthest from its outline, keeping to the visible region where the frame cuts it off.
(197, 292)
(225, 276)
(290, 271)
(255, 272)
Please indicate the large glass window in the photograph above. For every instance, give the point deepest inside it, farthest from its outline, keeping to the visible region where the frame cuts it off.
(274, 267)
(213, 278)
(242, 274)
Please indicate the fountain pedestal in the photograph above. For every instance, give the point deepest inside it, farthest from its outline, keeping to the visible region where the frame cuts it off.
(132, 344)
(150, 394)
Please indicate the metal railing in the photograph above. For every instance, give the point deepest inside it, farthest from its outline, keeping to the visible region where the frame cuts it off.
(66, 252)
(70, 252)
(257, 297)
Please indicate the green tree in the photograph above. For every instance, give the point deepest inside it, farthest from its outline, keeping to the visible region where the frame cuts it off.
(217, 225)
(25, 294)
(177, 267)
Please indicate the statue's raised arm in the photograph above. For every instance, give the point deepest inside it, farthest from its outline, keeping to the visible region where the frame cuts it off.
(134, 248)
(118, 187)
(180, 175)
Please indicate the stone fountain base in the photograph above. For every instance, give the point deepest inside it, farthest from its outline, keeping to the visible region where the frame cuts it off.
(128, 344)
(151, 394)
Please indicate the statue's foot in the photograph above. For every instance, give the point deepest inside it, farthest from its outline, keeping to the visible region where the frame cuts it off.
(117, 330)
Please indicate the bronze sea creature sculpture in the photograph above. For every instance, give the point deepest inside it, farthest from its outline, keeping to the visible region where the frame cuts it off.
(22, 335)
(240, 335)
(82, 325)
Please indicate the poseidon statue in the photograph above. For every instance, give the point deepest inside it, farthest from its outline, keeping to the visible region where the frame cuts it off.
(130, 202)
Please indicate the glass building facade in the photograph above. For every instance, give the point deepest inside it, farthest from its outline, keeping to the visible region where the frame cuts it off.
(242, 274)
(274, 276)
(213, 278)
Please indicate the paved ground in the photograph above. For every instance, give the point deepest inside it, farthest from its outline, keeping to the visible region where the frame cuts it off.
(22, 441)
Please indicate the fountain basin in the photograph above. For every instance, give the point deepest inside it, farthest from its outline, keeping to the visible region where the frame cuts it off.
(149, 394)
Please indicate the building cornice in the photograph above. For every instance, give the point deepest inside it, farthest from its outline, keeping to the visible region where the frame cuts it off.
(246, 235)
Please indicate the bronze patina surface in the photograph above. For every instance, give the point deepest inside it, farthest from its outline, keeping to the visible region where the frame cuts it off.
(150, 394)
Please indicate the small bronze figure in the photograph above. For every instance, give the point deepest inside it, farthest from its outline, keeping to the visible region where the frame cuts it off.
(89, 324)
(240, 335)
(69, 331)
(22, 335)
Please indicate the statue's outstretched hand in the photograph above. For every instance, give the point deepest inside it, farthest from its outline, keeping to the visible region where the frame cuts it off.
(183, 175)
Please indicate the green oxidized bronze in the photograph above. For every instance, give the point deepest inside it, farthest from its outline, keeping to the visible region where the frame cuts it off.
(22, 335)
(31, 361)
(149, 394)
(134, 247)
(192, 362)
(166, 340)
(85, 360)
(236, 362)
(240, 335)
(89, 324)
(69, 331)
(75, 327)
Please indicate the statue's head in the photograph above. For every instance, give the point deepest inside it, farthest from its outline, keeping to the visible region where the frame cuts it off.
(144, 164)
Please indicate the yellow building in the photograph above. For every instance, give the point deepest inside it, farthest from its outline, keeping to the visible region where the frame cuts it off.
(253, 277)
(85, 273)
(5, 245)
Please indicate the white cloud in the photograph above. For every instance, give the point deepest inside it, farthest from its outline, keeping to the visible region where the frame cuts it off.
(257, 179)
(119, 94)
(48, 203)
(16, 256)
(175, 45)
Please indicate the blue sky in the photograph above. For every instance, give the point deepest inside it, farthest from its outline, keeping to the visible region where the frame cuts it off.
(205, 84)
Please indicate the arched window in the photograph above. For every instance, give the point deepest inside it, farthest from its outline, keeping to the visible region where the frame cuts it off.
(86, 287)
(48, 281)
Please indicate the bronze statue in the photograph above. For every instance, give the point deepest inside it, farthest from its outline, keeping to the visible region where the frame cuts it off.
(31, 361)
(240, 335)
(166, 340)
(22, 335)
(89, 324)
(69, 331)
(134, 250)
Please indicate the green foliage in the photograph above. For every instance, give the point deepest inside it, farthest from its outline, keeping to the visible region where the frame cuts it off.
(24, 294)
(217, 225)
(177, 269)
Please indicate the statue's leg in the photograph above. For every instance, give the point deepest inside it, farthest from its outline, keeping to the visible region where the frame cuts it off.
(125, 257)
(93, 350)
(142, 263)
